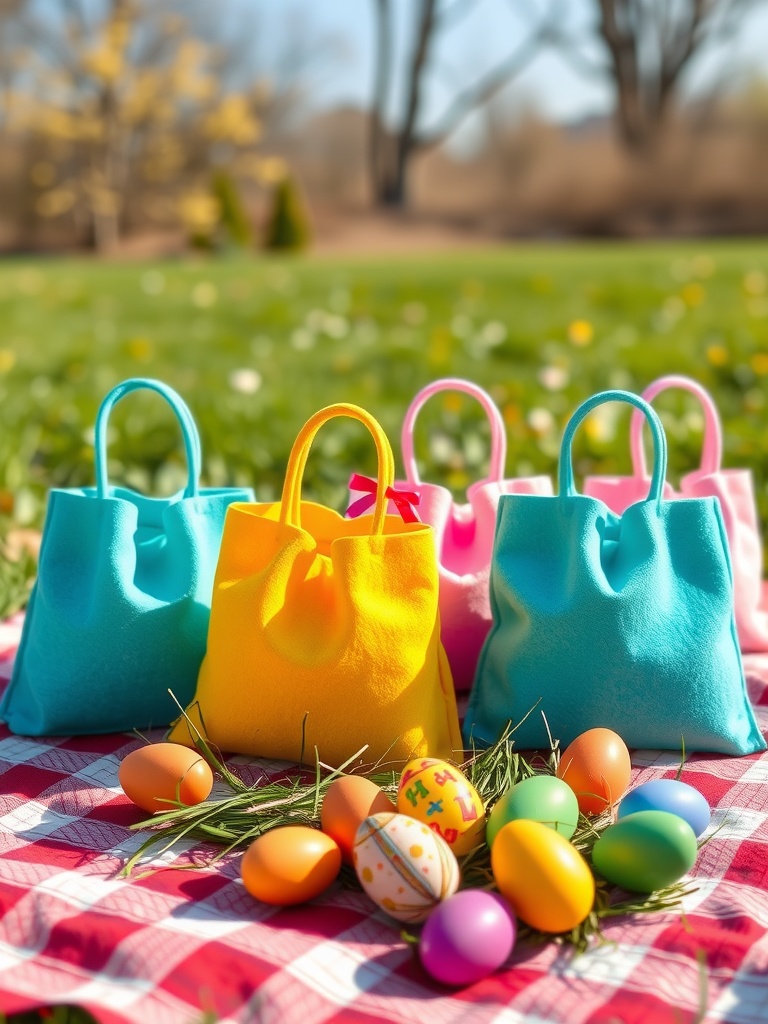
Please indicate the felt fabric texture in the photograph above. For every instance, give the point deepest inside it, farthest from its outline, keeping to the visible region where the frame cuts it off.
(325, 632)
(733, 489)
(119, 612)
(624, 622)
(463, 532)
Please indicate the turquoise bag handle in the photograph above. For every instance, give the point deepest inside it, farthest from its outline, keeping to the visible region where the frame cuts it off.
(565, 469)
(184, 416)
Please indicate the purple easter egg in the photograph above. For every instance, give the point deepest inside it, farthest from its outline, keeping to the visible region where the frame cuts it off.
(467, 937)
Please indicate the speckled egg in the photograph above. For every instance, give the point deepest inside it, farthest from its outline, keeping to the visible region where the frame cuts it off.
(404, 867)
(439, 795)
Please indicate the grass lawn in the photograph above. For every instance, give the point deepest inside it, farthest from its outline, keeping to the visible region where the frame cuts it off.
(257, 345)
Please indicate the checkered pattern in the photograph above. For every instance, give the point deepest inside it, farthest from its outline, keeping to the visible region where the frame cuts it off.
(166, 947)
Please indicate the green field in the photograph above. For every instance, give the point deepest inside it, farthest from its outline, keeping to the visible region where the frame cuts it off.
(256, 346)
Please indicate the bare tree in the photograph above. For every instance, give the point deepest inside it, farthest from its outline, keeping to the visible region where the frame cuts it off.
(649, 45)
(392, 148)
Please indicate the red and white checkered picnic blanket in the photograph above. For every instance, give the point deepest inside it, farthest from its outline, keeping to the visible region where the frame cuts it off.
(165, 948)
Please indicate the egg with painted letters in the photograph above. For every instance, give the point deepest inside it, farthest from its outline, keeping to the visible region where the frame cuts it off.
(403, 866)
(439, 795)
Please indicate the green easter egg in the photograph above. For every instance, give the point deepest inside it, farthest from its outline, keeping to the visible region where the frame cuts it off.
(645, 851)
(541, 798)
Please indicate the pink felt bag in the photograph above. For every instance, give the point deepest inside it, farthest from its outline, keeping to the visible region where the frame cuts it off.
(734, 489)
(463, 533)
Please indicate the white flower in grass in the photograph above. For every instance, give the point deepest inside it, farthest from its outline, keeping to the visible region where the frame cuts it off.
(541, 421)
(461, 326)
(245, 380)
(336, 326)
(315, 320)
(205, 294)
(493, 333)
(554, 378)
(303, 340)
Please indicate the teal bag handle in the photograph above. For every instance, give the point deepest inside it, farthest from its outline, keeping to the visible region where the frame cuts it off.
(567, 487)
(183, 414)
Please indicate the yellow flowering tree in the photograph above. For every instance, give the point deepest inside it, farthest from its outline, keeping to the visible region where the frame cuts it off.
(128, 104)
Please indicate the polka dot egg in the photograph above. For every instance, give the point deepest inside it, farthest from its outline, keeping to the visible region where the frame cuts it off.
(404, 867)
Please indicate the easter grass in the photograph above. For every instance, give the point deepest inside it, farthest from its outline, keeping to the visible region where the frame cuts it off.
(235, 821)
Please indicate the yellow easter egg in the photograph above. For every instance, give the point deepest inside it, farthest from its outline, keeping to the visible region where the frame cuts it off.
(544, 878)
(438, 794)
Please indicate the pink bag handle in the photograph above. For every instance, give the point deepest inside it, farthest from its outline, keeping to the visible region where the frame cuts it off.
(712, 452)
(498, 432)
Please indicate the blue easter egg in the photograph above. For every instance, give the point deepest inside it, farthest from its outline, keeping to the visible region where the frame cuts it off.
(671, 796)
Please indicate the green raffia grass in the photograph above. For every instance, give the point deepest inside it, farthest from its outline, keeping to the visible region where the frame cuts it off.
(235, 821)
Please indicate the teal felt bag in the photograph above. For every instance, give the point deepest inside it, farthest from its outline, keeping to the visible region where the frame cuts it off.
(624, 622)
(119, 612)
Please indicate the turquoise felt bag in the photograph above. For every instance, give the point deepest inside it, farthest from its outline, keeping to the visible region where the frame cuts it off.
(119, 612)
(624, 622)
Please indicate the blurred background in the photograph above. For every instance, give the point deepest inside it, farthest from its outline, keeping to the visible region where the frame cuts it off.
(273, 206)
(147, 127)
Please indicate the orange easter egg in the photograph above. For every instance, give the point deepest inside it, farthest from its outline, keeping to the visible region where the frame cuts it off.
(596, 766)
(290, 865)
(349, 800)
(161, 772)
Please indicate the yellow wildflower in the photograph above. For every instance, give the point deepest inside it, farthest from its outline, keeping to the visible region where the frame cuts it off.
(140, 349)
(580, 332)
(717, 355)
(693, 294)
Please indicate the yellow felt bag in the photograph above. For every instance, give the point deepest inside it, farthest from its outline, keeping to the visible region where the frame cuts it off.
(325, 631)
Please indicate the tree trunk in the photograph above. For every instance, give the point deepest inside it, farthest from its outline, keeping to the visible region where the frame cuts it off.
(106, 230)
(379, 153)
(394, 152)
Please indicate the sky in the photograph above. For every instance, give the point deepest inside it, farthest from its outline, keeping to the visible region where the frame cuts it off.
(487, 35)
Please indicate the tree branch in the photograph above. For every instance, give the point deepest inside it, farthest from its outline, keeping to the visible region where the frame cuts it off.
(481, 92)
(570, 52)
(415, 78)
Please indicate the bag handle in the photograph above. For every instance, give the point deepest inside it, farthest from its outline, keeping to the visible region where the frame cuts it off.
(184, 416)
(712, 451)
(565, 470)
(498, 431)
(290, 508)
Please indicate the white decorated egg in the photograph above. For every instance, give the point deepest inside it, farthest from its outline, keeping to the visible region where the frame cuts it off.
(404, 867)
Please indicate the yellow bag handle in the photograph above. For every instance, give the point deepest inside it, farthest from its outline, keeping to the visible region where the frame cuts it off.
(290, 506)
